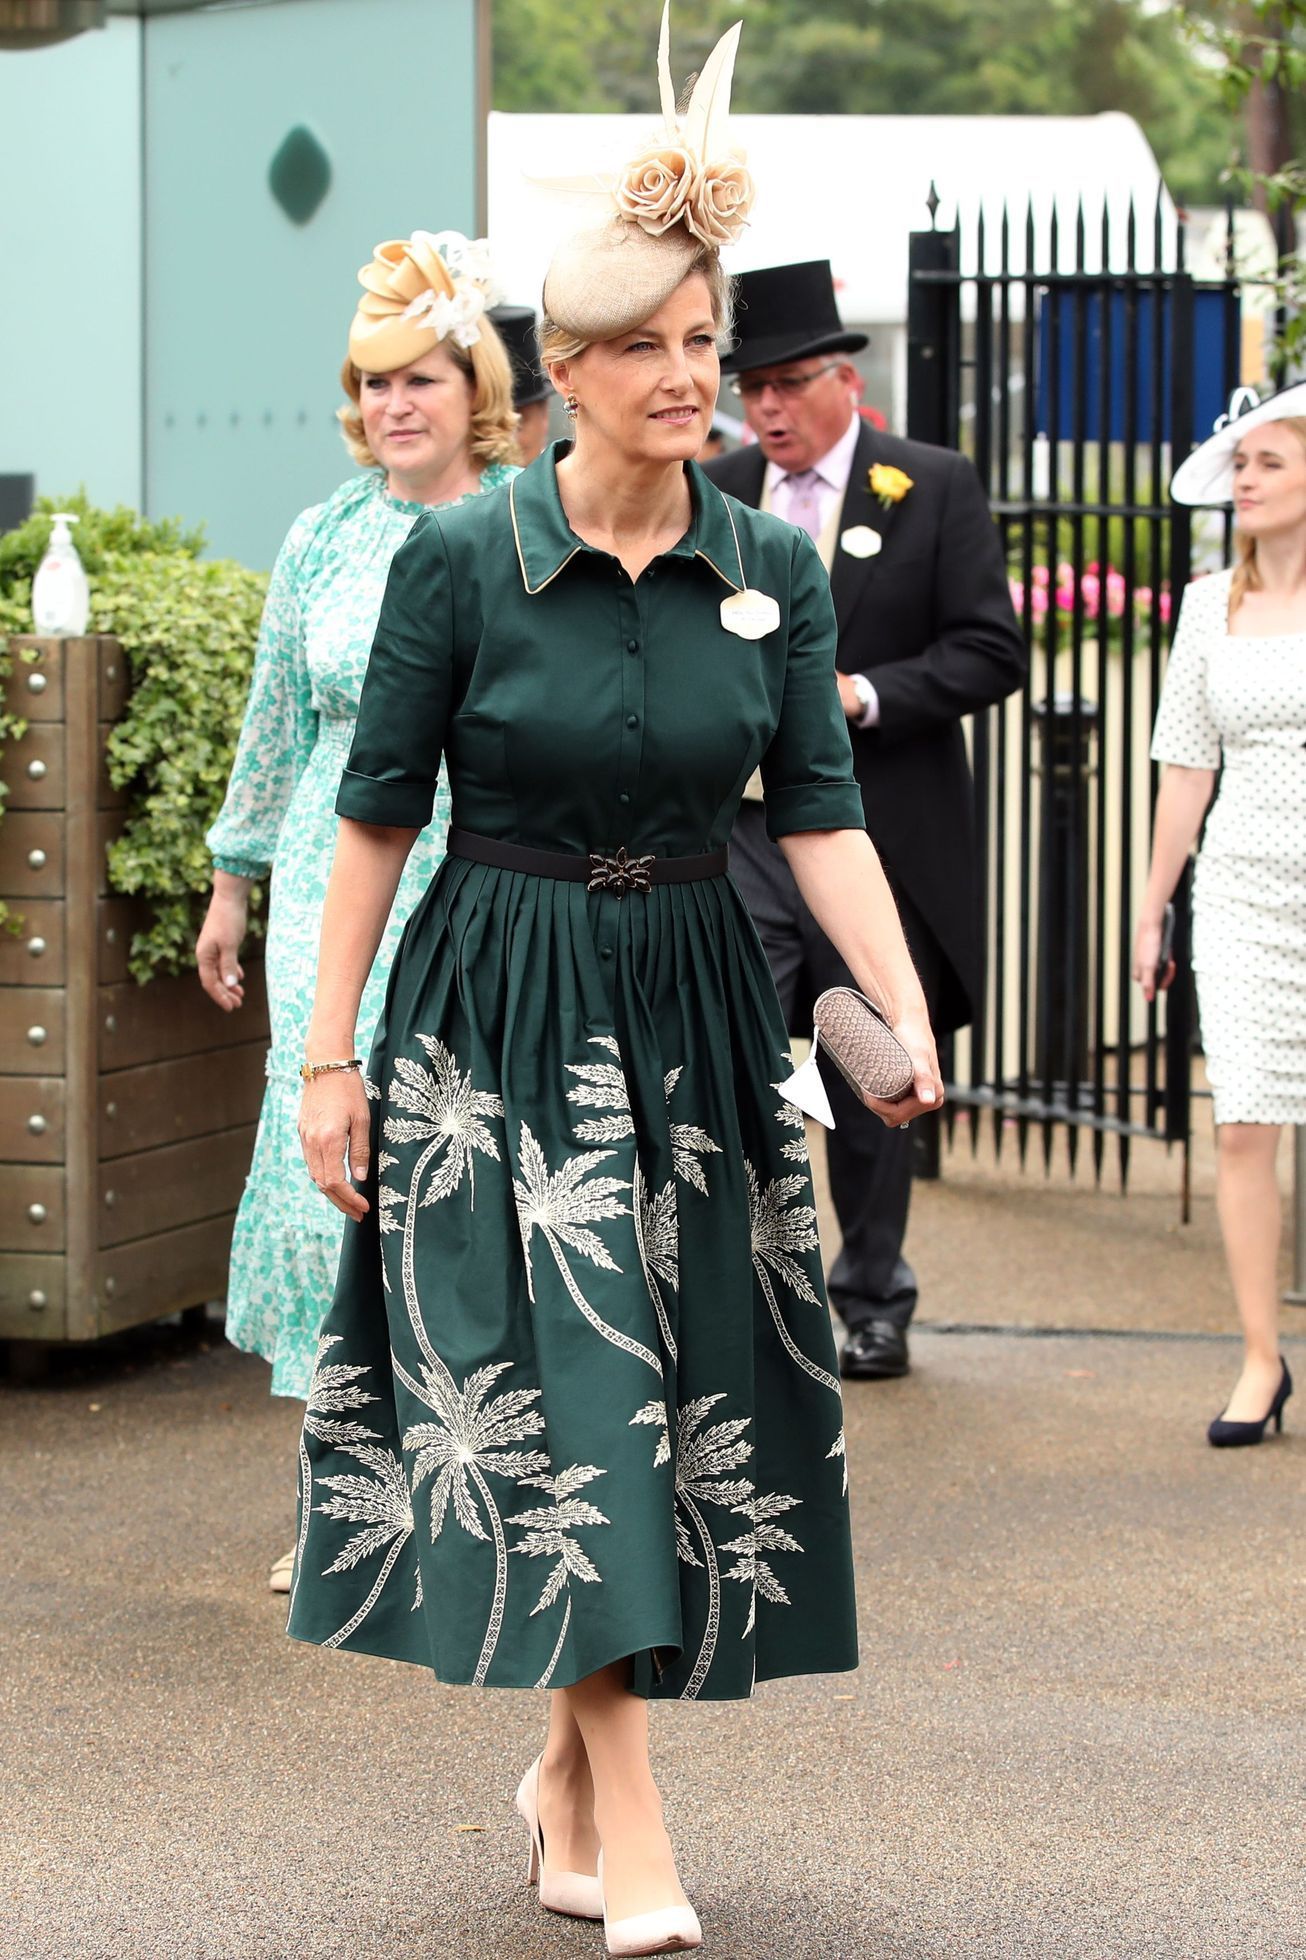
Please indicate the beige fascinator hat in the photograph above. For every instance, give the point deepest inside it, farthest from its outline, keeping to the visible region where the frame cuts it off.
(687, 191)
(417, 292)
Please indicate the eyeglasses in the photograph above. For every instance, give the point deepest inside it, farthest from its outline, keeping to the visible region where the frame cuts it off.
(751, 387)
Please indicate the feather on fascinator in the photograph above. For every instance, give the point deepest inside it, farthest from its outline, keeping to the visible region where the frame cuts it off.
(686, 189)
(417, 292)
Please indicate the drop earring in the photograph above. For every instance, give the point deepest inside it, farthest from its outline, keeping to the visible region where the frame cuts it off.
(571, 406)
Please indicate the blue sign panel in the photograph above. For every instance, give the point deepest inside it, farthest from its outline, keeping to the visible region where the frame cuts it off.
(1070, 343)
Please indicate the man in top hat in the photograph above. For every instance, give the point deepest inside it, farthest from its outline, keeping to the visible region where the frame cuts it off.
(532, 391)
(927, 635)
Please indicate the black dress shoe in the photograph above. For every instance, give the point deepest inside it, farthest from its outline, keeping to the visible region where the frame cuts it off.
(875, 1352)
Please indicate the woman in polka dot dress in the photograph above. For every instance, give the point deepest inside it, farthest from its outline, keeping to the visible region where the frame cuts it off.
(1234, 701)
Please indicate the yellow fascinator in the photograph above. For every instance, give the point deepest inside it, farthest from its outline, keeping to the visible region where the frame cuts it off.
(417, 292)
(687, 189)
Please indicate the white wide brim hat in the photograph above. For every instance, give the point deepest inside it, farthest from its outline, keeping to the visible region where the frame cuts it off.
(1207, 475)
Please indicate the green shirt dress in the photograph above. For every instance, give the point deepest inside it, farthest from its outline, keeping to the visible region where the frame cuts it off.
(576, 1397)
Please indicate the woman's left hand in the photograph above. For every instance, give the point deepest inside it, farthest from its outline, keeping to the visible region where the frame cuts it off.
(925, 1096)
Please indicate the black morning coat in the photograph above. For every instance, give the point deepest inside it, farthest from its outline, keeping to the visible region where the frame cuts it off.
(929, 619)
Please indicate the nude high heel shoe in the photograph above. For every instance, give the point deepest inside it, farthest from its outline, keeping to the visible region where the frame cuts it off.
(675, 1929)
(570, 1892)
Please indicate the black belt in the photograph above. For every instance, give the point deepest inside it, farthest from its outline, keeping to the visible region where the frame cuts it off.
(600, 871)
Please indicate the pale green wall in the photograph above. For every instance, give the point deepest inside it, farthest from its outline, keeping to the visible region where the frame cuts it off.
(247, 313)
(242, 327)
(70, 264)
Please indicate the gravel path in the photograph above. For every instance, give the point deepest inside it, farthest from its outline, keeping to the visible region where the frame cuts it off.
(1077, 1730)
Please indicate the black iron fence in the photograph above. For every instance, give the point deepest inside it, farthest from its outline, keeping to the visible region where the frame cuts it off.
(1075, 365)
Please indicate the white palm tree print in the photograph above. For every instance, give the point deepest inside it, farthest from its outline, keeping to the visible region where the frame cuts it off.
(561, 1206)
(703, 1456)
(447, 1115)
(657, 1234)
(382, 1507)
(472, 1436)
(654, 1414)
(548, 1529)
(445, 1112)
(763, 1535)
(336, 1389)
(780, 1228)
(791, 1118)
(602, 1085)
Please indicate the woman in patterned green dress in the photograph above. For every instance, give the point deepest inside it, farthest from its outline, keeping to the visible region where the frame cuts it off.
(431, 420)
(576, 1422)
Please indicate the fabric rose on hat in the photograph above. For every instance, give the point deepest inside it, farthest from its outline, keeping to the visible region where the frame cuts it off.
(655, 188)
(720, 201)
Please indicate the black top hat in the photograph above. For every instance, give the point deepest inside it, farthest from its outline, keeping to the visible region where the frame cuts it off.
(785, 313)
(516, 327)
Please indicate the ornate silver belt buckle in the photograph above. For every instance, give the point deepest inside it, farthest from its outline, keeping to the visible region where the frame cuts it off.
(618, 872)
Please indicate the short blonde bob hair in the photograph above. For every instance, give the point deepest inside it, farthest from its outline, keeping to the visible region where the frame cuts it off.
(493, 434)
(560, 344)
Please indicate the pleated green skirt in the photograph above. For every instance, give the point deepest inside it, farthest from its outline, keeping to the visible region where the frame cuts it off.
(576, 1397)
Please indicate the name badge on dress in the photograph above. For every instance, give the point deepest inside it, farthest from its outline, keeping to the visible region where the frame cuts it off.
(861, 541)
(750, 614)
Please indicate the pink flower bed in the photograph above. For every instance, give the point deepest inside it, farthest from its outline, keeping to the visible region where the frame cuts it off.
(1100, 593)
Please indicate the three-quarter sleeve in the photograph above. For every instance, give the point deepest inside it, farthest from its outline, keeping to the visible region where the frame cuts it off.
(394, 763)
(1186, 733)
(807, 772)
(279, 727)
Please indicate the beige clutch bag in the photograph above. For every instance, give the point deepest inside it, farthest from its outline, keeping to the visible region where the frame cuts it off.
(862, 1045)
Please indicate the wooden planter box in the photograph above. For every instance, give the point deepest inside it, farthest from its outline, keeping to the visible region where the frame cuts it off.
(127, 1113)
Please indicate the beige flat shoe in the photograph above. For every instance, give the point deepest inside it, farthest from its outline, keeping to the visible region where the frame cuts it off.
(282, 1573)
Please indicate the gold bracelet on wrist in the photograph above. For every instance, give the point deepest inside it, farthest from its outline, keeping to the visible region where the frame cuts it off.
(309, 1071)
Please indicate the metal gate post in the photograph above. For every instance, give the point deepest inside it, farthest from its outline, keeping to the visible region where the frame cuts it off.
(1067, 727)
(934, 335)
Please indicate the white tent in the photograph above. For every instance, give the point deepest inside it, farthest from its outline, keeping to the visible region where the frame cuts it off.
(847, 188)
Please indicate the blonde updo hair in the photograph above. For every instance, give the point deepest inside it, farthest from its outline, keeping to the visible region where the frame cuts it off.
(493, 434)
(558, 343)
(1246, 571)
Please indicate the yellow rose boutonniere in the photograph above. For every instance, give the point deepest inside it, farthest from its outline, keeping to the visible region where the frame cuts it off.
(888, 484)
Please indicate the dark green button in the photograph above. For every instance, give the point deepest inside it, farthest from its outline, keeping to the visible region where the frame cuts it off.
(624, 797)
(632, 646)
(606, 952)
(632, 721)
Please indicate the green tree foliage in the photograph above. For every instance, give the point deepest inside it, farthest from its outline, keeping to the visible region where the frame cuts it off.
(188, 627)
(1257, 50)
(887, 57)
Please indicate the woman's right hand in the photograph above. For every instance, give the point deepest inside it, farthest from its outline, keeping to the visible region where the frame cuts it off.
(217, 950)
(1147, 951)
(335, 1129)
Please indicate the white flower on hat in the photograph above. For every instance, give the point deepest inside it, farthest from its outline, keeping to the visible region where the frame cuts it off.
(456, 316)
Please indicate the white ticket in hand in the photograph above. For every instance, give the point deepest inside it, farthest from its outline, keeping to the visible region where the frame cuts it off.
(806, 1091)
(750, 614)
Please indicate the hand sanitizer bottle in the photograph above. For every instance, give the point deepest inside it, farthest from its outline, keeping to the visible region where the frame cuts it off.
(61, 598)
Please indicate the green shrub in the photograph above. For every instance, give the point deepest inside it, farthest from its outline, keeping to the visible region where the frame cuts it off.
(188, 628)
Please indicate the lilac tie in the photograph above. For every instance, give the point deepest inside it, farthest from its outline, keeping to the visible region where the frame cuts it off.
(804, 504)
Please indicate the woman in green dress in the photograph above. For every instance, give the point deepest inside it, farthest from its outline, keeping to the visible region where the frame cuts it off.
(430, 418)
(576, 1421)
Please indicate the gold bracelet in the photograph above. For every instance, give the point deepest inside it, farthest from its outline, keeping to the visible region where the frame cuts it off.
(309, 1071)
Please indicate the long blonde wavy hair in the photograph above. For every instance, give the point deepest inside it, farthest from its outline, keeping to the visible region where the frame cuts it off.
(493, 434)
(1246, 572)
